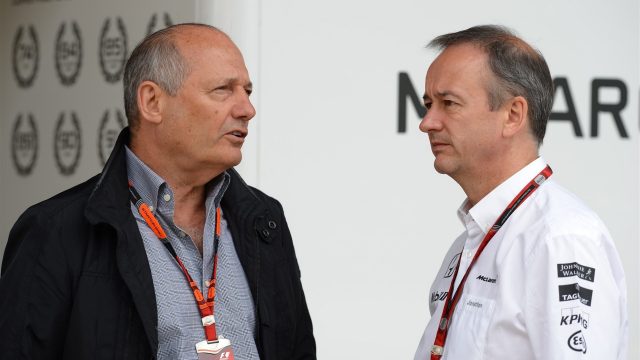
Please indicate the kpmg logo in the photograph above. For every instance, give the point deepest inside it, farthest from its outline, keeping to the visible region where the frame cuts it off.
(153, 25)
(577, 342)
(110, 126)
(574, 315)
(113, 49)
(25, 56)
(68, 53)
(24, 144)
(67, 145)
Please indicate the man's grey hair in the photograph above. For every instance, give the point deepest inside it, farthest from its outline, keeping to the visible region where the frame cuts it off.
(519, 70)
(158, 59)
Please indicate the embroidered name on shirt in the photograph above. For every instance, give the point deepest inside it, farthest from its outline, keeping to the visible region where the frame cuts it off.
(486, 279)
(574, 291)
(475, 304)
(575, 269)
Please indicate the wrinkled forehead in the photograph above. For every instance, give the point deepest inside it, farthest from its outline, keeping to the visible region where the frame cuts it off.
(463, 65)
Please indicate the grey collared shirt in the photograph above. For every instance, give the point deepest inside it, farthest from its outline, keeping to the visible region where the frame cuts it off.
(179, 321)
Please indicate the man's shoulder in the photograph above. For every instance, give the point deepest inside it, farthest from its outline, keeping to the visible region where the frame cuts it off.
(69, 200)
(240, 192)
(564, 213)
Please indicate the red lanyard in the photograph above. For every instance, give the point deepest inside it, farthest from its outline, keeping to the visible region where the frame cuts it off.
(451, 302)
(205, 307)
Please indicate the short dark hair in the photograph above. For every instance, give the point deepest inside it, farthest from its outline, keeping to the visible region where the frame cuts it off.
(156, 59)
(519, 70)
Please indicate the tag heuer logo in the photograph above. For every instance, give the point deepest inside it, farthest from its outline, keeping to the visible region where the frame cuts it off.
(575, 292)
(67, 143)
(110, 126)
(25, 56)
(68, 53)
(24, 144)
(154, 26)
(113, 49)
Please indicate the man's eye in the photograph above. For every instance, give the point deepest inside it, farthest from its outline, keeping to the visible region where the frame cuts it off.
(427, 105)
(449, 103)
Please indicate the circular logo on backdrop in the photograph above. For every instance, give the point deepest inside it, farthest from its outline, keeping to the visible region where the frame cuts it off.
(110, 126)
(113, 49)
(67, 144)
(153, 25)
(25, 55)
(68, 53)
(24, 144)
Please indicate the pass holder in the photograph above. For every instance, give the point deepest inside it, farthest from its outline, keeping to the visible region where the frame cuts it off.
(214, 350)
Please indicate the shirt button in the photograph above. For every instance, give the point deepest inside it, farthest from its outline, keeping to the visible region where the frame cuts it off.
(207, 283)
(166, 197)
(151, 208)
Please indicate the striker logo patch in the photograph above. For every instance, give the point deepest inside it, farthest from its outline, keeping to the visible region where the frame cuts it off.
(68, 53)
(24, 144)
(452, 266)
(25, 56)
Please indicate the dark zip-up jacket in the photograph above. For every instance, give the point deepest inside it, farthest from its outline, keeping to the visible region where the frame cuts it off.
(76, 282)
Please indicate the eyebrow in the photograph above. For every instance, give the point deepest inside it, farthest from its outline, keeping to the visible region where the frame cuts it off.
(442, 94)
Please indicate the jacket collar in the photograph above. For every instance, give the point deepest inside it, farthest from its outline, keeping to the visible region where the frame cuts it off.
(109, 204)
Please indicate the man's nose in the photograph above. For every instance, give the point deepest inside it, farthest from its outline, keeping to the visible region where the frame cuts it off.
(243, 109)
(431, 121)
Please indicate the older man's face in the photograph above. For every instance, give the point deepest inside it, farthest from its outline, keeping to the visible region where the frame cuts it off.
(207, 121)
(464, 133)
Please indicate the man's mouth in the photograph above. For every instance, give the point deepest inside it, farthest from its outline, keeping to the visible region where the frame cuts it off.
(239, 133)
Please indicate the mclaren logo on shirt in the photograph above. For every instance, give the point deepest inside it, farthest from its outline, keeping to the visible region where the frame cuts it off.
(486, 279)
(571, 292)
(575, 269)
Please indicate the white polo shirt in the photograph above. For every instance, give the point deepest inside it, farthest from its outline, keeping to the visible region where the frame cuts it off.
(549, 285)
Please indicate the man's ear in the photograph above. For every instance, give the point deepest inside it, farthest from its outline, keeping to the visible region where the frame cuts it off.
(517, 119)
(149, 98)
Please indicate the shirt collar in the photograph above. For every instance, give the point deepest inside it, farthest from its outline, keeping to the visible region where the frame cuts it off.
(150, 185)
(487, 210)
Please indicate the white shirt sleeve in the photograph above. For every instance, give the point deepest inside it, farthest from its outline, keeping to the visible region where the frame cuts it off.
(576, 298)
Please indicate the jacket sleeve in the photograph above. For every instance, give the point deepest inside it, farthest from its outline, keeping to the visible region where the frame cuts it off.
(305, 344)
(576, 299)
(34, 291)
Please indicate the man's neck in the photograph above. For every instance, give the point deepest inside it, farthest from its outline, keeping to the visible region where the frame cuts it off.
(477, 186)
(189, 192)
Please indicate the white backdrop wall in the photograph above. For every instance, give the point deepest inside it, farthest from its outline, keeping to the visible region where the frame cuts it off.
(370, 217)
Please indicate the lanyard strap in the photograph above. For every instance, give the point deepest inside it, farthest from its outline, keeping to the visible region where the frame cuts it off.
(206, 306)
(452, 301)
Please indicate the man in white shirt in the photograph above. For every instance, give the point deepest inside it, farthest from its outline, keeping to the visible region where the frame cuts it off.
(535, 273)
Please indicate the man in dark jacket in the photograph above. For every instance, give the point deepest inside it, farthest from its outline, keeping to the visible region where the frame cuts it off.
(167, 253)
